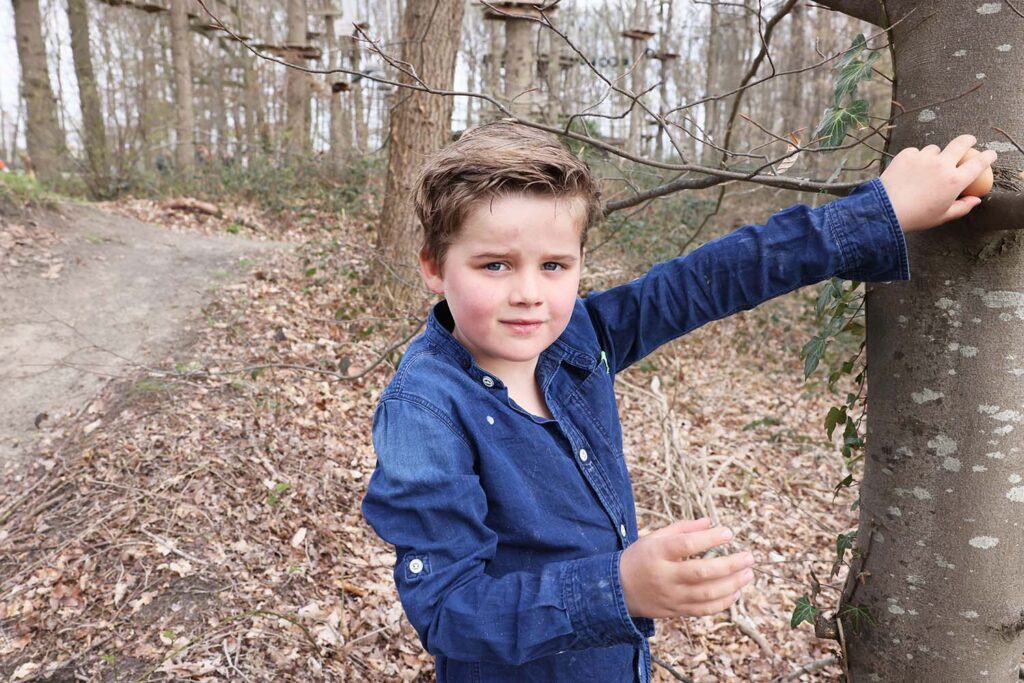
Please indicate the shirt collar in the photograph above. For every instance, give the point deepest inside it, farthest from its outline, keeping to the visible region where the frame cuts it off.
(569, 347)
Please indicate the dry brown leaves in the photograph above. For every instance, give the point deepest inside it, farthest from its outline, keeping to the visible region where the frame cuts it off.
(210, 527)
(26, 245)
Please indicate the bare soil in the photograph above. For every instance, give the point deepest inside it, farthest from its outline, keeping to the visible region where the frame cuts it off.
(84, 295)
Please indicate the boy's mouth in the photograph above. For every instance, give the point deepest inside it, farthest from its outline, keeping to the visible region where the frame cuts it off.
(522, 325)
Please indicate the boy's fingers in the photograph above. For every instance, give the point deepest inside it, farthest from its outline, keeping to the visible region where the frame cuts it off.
(709, 569)
(683, 526)
(705, 609)
(714, 590)
(683, 545)
(958, 146)
(973, 167)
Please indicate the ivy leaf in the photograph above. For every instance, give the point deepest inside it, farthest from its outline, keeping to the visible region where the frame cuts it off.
(845, 483)
(852, 74)
(812, 353)
(857, 615)
(837, 120)
(804, 611)
(859, 44)
(834, 417)
(828, 292)
(844, 542)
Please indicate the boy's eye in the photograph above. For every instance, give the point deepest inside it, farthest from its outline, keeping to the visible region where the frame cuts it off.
(551, 265)
(494, 267)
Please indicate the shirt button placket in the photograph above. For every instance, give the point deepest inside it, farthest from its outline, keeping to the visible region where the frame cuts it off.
(583, 455)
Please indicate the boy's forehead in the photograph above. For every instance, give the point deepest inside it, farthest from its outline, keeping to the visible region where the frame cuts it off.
(511, 215)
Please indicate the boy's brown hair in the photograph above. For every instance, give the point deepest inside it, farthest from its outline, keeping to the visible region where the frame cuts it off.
(495, 160)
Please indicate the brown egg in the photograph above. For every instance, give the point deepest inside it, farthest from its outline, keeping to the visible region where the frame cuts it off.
(981, 185)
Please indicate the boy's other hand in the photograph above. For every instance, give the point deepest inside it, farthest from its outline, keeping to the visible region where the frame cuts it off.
(661, 578)
(924, 185)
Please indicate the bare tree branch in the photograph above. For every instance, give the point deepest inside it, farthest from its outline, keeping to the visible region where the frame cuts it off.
(871, 11)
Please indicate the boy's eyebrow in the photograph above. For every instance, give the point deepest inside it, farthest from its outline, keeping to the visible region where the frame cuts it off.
(506, 254)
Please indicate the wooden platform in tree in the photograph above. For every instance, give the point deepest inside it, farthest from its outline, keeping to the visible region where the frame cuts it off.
(514, 10)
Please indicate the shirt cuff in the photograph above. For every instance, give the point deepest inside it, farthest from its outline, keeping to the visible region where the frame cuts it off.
(870, 239)
(596, 605)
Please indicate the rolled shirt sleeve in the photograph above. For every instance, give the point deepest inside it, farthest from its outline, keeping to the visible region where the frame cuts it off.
(425, 498)
(856, 237)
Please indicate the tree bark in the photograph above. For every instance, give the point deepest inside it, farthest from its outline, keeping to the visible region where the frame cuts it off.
(942, 497)
(296, 86)
(520, 64)
(709, 155)
(420, 124)
(94, 133)
(43, 134)
(181, 55)
(340, 125)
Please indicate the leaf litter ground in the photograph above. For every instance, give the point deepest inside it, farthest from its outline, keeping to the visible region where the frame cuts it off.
(210, 529)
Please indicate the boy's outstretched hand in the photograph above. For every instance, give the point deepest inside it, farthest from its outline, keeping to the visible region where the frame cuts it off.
(660, 578)
(924, 184)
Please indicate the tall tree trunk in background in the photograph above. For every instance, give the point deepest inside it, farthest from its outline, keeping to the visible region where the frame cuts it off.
(94, 133)
(942, 500)
(638, 63)
(420, 125)
(297, 86)
(665, 45)
(709, 155)
(44, 137)
(357, 108)
(520, 64)
(181, 55)
(793, 116)
(341, 124)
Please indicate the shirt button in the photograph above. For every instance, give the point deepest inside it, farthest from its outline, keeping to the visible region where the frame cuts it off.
(488, 382)
(583, 454)
(416, 566)
(622, 530)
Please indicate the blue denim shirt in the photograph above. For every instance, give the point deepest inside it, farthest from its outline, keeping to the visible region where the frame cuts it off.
(508, 527)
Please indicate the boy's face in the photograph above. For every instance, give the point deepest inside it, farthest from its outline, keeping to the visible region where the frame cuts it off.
(511, 278)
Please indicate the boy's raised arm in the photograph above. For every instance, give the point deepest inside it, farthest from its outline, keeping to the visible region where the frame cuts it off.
(857, 237)
(425, 498)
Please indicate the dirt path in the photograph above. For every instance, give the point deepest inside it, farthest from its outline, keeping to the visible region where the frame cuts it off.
(85, 294)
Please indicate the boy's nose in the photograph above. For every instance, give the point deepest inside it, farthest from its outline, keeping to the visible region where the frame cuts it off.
(525, 292)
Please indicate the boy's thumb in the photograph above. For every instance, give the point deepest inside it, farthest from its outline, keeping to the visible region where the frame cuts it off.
(960, 208)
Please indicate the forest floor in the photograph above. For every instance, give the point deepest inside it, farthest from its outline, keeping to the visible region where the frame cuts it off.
(199, 518)
(86, 294)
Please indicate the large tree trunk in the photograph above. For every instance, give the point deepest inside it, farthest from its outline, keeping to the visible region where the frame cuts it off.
(942, 501)
(181, 55)
(340, 125)
(420, 124)
(708, 154)
(520, 64)
(93, 131)
(297, 86)
(43, 134)
(638, 63)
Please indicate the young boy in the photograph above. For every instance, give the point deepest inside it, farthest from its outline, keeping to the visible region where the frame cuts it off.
(500, 477)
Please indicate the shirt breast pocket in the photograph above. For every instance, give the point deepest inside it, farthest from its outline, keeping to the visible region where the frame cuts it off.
(594, 401)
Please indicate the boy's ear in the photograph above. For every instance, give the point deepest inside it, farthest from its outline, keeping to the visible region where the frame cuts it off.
(431, 272)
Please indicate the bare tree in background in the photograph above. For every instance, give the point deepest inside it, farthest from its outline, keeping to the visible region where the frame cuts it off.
(94, 132)
(297, 96)
(43, 134)
(420, 124)
(181, 51)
